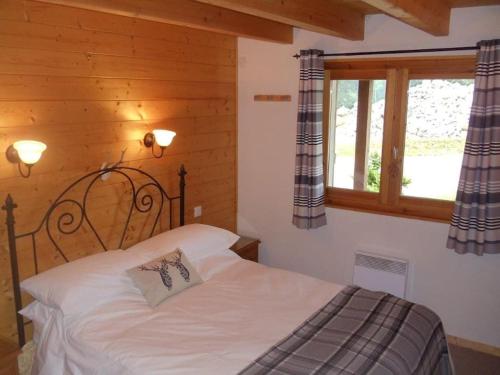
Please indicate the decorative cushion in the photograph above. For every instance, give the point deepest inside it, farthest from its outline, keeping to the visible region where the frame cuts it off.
(164, 276)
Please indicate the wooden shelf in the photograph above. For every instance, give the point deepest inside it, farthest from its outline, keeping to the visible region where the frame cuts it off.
(272, 98)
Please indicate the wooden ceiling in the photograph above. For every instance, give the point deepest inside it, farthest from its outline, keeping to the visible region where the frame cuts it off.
(365, 8)
(274, 20)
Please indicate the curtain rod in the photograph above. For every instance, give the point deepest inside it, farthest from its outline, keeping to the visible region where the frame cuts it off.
(397, 51)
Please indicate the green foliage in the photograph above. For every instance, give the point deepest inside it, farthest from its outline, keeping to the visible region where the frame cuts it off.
(374, 166)
(406, 181)
(434, 147)
(415, 147)
(373, 179)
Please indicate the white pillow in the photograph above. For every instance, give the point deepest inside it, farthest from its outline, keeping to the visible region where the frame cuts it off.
(197, 241)
(39, 314)
(86, 283)
(83, 284)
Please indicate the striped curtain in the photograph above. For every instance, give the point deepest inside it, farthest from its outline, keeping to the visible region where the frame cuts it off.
(308, 199)
(475, 224)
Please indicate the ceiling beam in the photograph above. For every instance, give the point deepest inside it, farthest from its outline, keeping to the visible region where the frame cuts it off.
(191, 14)
(322, 16)
(430, 16)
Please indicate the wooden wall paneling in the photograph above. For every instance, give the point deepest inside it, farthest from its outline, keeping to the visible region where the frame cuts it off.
(44, 185)
(101, 198)
(55, 15)
(56, 38)
(72, 154)
(90, 84)
(20, 61)
(31, 87)
(198, 188)
(46, 113)
(107, 217)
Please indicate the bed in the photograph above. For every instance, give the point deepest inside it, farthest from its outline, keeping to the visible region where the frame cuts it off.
(90, 318)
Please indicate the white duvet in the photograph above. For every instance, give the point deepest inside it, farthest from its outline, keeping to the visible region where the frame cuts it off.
(217, 327)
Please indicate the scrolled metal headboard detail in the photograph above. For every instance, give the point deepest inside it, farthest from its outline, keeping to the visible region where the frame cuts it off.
(67, 222)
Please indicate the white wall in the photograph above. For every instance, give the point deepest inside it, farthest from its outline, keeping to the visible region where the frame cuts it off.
(463, 289)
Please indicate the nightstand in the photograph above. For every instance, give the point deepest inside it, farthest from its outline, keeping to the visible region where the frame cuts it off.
(8, 357)
(247, 248)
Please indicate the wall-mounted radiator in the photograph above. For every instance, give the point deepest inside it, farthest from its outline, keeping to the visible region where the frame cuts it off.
(377, 272)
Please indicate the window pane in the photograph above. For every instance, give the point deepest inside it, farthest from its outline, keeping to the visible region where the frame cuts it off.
(436, 128)
(343, 116)
(356, 129)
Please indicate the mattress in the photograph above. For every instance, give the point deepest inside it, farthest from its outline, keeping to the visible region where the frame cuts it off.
(218, 327)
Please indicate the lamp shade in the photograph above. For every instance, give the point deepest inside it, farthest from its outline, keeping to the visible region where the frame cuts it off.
(163, 137)
(29, 151)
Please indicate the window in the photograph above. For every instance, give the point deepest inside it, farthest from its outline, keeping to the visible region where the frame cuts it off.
(436, 127)
(395, 133)
(355, 133)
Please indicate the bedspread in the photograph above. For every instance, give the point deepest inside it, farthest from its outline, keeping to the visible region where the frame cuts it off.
(361, 332)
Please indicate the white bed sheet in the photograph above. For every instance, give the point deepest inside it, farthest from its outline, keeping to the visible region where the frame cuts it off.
(217, 327)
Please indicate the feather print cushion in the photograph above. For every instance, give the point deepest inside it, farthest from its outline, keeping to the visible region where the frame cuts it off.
(164, 276)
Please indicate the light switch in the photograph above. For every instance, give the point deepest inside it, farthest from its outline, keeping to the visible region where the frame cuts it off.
(197, 211)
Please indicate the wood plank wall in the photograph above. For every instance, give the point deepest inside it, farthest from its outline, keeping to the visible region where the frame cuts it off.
(89, 85)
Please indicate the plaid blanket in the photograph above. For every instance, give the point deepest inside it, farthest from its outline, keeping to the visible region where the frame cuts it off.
(361, 332)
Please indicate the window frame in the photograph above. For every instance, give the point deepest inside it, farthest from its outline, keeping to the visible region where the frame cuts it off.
(397, 72)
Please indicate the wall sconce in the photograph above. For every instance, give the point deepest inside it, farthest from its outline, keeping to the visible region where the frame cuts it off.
(25, 152)
(161, 137)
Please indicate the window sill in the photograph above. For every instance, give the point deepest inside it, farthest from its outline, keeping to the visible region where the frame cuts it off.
(407, 207)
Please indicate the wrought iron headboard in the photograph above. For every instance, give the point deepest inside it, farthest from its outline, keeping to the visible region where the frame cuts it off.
(142, 201)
